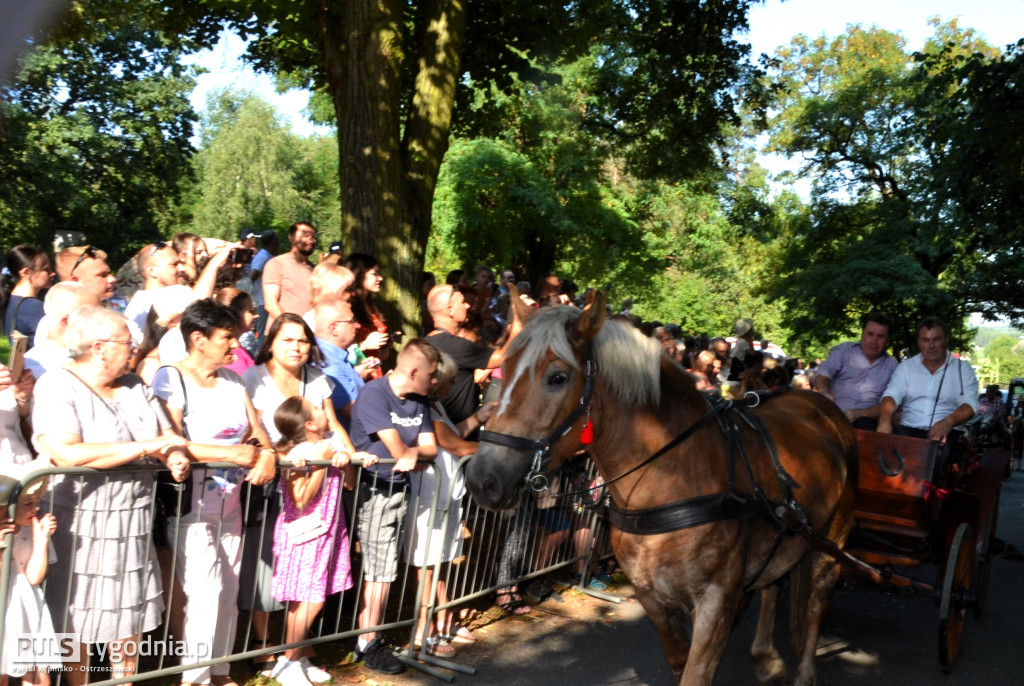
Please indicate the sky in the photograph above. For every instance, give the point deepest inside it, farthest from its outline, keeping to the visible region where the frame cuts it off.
(772, 24)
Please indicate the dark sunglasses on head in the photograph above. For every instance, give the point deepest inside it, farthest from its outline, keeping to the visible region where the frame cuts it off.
(158, 245)
(87, 253)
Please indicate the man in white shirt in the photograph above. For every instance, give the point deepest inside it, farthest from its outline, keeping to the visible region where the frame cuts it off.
(160, 266)
(937, 391)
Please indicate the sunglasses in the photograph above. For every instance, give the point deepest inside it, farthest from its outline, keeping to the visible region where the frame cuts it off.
(159, 245)
(88, 253)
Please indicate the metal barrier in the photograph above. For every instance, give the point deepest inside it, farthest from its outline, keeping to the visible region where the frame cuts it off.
(465, 552)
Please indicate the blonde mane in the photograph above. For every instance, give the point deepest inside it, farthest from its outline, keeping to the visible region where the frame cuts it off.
(628, 362)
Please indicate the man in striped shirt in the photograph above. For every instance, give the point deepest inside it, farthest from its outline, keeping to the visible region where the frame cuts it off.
(856, 373)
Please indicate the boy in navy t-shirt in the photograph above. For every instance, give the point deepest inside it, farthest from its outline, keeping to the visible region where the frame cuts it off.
(390, 419)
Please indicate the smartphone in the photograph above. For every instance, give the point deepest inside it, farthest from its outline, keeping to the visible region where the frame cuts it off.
(16, 360)
(240, 256)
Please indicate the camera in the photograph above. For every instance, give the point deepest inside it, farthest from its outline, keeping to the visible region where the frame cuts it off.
(240, 256)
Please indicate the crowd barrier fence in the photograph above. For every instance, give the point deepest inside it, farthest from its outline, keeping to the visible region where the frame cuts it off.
(488, 552)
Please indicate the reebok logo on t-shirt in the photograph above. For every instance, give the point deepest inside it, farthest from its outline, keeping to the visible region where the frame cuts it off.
(406, 421)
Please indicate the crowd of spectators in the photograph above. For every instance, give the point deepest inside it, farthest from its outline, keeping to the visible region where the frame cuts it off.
(232, 356)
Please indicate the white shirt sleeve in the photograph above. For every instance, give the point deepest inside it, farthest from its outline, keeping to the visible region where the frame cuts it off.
(897, 388)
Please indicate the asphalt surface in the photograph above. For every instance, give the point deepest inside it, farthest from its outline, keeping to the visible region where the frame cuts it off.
(871, 637)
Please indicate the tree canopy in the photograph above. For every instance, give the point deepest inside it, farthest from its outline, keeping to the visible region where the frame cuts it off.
(393, 71)
(252, 171)
(94, 130)
(883, 135)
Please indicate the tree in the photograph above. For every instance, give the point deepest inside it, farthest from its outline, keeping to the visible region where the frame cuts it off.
(886, 227)
(538, 192)
(1004, 359)
(392, 70)
(251, 171)
(94, 131)
(975, 135)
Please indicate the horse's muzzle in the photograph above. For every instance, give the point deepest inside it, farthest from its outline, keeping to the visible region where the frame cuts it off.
(495, 477)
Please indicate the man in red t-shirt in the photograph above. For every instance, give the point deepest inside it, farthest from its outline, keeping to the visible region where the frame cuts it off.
(286, 277)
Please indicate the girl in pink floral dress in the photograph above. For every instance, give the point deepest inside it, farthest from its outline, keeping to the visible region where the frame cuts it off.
(310, 538)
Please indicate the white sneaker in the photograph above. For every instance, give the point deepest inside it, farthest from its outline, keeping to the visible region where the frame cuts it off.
(281, 663)
(291, 674)
(314, 673)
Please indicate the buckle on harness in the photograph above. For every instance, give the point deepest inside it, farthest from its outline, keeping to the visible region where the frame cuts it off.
(536, 479)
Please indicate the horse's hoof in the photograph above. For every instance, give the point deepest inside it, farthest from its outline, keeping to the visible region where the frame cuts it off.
(771, 672)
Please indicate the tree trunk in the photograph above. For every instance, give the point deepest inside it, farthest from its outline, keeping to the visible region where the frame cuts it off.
(387, 184)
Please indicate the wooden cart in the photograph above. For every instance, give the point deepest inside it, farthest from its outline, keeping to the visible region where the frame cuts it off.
(914, 506)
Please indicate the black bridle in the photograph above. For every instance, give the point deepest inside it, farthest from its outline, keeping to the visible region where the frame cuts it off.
(541, 447)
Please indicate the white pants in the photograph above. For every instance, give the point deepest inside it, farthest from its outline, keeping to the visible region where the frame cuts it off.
(208, 557)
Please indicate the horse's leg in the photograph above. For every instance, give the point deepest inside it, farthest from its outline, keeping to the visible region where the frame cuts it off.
(769, 666)
(712, 623)
(673, 627)
(820, 573)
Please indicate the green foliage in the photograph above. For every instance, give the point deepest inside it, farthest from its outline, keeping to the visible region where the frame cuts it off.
(987, 333)
(665, 74)
(548, 192)
(887, 228)
(536, 196)
(1003, 360)
(94, 130)
(253, 172)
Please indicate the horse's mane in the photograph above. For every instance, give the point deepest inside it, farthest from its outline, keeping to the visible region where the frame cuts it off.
(627, 361)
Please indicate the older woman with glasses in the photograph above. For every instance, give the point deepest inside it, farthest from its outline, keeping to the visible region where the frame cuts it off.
(104, 584)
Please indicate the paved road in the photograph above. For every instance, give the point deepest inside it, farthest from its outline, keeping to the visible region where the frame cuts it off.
(871, 638)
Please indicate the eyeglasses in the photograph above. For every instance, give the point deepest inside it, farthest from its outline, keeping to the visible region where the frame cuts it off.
(130, 343)
(345, 321)
(87, 253)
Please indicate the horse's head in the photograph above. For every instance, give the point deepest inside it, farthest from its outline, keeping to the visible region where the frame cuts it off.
(545, 379)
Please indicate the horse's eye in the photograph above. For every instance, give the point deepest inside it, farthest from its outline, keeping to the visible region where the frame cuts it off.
(557, 378)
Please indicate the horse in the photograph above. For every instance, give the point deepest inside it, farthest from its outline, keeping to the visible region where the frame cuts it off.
(572, 378)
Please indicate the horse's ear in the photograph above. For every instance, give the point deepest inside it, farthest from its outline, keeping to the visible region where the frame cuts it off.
(521, 310)
(594, 313)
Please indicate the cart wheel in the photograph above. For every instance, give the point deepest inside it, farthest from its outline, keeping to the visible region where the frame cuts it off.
(956, 594)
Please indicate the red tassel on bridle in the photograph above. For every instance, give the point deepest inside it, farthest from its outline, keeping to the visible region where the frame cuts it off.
(587, 435)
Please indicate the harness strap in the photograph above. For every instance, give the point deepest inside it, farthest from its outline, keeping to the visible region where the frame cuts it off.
(543, 444)
(684, 514)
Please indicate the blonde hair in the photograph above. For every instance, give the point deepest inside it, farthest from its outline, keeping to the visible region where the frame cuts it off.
(629, 361)
(329, 281)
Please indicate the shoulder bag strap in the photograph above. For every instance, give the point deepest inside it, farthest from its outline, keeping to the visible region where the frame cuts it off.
(184, 395)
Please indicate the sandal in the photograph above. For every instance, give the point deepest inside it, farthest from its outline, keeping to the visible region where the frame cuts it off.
(461, 636)
(512, 603)
(439, 647)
